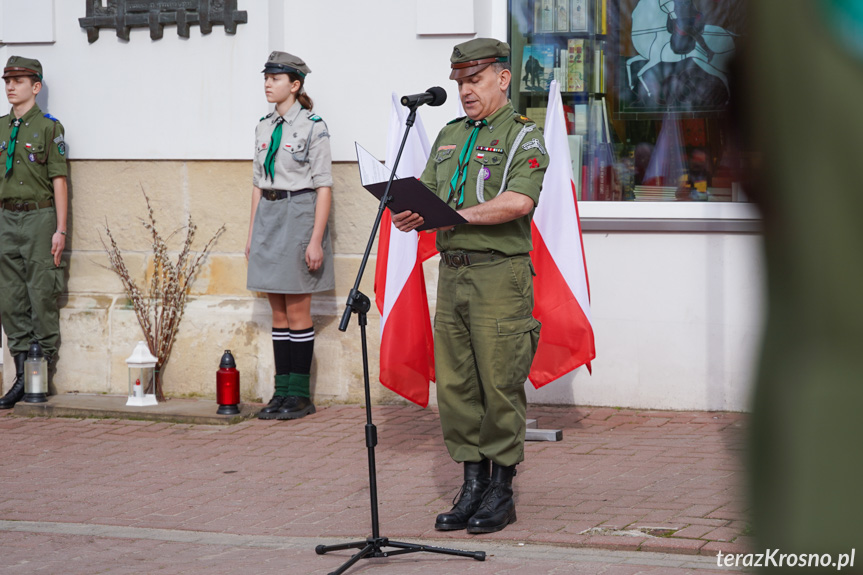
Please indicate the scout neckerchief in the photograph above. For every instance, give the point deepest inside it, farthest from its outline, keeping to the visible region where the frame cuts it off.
(275, 144)
(11, 151)
(456, 184)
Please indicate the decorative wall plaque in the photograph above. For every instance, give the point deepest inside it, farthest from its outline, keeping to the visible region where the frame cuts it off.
(123, 15)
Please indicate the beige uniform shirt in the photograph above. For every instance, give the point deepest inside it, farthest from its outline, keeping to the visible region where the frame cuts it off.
(303, 160)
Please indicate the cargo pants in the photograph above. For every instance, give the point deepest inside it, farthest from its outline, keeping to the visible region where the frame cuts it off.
(485, 340)
(29, 281)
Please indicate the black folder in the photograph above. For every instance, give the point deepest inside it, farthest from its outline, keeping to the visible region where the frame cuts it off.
(407, 194)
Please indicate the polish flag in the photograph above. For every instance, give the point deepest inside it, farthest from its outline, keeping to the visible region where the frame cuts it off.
(561, 290)
(407, 344)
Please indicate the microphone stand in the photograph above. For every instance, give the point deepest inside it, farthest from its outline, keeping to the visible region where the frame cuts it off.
(359, 303)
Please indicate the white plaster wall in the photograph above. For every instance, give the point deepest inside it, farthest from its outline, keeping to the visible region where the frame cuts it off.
(677, 320)
(199, 98)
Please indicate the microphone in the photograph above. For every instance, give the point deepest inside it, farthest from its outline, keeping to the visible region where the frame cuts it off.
(433, 97)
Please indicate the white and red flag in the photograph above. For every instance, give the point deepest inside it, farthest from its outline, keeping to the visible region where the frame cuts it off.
(407, 344)
(561, 293)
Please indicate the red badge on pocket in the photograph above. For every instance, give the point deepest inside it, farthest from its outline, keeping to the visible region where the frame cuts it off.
(533, 163)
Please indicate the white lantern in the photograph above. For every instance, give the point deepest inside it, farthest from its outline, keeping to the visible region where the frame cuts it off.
(142, 376)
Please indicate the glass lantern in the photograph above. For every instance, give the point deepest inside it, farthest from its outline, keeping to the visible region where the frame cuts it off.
(142, 376)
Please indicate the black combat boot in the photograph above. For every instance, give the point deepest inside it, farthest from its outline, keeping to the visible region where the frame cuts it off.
(468, 498)
(16, 392)
(498, 508)
(272, 409)
(295, 407)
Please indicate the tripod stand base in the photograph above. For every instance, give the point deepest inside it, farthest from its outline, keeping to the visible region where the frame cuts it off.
(373, 547)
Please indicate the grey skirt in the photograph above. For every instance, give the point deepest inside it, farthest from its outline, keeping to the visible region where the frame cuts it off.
(277, 255)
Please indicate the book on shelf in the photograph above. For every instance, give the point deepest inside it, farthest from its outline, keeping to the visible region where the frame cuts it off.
(537, 67)
(575, 143)
(575, 65)
(537, 115)
(543, 16)
(561, 15)
(569, 118)
(599, 69)
(600, 16)
(578, 16)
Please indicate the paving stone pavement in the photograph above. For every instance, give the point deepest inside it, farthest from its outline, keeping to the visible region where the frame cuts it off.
(94, 496)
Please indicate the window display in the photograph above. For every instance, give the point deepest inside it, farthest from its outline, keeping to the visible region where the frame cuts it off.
(645, 88)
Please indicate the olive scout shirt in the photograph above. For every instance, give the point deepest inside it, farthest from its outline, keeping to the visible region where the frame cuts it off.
(39, 156)
(491, 151)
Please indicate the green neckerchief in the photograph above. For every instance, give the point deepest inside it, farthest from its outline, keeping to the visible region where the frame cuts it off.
(11, 151)
(275, 144)
(456, 184)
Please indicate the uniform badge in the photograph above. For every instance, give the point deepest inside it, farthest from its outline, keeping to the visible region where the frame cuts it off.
(534, 143)
(35, 135)
(264, 146)
(287, 146)
(480, 156)
(533, 163)
(31, 157)
(28, 145)
(61, 147)
(495, 142)
(3, 145)
(486, 173)
(446, 148)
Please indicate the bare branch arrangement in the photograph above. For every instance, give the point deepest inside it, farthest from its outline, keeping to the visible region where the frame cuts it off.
(160, 309)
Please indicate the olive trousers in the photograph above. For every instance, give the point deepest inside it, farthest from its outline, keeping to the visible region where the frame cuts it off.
(29, 281)
(485, 340)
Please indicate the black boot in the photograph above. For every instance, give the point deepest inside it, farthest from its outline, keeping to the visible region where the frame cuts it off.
(272, 408)
(498, 508)
(468, 498)
(295, 407)
(16, 392)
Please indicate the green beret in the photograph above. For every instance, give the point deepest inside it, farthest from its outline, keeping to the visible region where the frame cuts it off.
(284, 63)
(19, 66)
(475, 55)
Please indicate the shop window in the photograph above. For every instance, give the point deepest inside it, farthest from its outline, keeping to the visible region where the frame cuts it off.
(646, 92)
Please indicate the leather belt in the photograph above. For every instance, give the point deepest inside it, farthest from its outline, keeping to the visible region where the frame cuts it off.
(274, 195)
(22, 206)
(466, 258)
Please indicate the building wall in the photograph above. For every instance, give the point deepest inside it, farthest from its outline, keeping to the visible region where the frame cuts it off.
(677, 316)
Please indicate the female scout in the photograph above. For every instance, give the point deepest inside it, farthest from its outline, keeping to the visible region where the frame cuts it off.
(289, 251)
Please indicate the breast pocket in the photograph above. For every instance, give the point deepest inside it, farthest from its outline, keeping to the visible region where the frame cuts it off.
(490, 166)
(446, 163)
(293, 153)
(37, 153)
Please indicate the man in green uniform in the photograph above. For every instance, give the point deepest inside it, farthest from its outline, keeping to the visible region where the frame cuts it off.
(33, 200)
(489, 166)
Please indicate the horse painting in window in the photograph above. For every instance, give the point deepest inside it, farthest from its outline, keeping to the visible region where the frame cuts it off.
(681, 61)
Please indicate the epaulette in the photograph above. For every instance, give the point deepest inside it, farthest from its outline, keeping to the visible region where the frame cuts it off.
(521, 119)
(456, 120)
(315, 118)
(267, 116)
(52, 118)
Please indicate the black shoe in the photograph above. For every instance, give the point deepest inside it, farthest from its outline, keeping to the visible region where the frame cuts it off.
(272, 408)
(469, 497)
(295, 407)
(498, 508)
(16, 392)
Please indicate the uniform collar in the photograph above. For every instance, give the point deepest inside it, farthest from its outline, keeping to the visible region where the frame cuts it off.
(504, 112)
(291, 115)
(31, 113)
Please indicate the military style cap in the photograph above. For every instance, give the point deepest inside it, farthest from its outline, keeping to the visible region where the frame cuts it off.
(476, 55)
(19, 66)
(283, 63)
